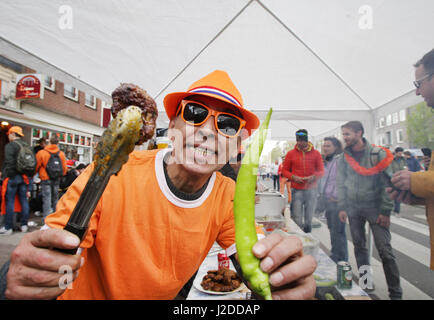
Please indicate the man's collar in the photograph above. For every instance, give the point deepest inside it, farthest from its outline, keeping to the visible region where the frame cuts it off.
(308, 148)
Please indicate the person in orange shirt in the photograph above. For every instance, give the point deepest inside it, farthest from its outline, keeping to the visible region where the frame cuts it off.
(50, 185)
(160, 215)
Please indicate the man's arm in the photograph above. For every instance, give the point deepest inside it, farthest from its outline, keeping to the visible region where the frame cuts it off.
(35, 264)
(340, 180)
(38, 161)
(10, 158)
(287, 167)
(319, 166)
(63, 157)
(422, 184)
(386, 203)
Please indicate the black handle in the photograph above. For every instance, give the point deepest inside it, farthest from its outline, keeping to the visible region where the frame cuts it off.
(78, 231)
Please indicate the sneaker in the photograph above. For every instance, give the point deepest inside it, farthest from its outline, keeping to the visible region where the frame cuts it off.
(32, 224)
(5, 232)
(37, 213)
(24, 228)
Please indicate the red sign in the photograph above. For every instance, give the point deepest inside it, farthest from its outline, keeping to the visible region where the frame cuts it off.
(29, 86)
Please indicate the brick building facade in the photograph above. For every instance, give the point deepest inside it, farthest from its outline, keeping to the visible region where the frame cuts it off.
(75, 116)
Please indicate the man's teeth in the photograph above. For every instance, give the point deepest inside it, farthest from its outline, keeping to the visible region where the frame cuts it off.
(203, 151)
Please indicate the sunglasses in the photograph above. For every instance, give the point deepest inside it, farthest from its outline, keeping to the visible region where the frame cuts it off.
(196, 114)
(417, 83)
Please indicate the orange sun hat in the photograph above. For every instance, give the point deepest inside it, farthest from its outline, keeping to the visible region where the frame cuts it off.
(217, 85)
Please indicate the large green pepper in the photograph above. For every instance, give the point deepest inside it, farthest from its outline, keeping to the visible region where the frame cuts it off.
(244, 212)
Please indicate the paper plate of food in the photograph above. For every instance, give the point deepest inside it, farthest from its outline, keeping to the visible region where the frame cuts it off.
(219, 282)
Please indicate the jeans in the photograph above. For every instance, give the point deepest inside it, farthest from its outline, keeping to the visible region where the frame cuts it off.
(382, 238)
(50, 193)
(303, 206)
(338, 235)
(16, 186)
(397, 206)
(276, 182)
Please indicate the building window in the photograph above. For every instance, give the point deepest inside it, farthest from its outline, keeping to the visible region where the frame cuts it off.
(49, 83)
(389, 120)
(90, 101)
(402, 115)
(70, 92)
(2, 88)
(388, 139)
(399, 136)
(395, 118)
(381, 123)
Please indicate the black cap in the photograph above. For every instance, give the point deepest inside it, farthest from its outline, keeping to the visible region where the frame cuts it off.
(301, 135)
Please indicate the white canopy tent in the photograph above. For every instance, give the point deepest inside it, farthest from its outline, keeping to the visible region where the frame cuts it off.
(317, 63)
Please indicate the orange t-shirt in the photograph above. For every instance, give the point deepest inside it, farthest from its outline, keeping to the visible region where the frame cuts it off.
(143, 242)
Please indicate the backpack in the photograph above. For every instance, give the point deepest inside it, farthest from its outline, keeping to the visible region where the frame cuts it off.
(54, 166)
(375, 159)
(26, 160)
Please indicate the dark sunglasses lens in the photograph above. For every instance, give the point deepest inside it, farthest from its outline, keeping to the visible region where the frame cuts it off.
(228, 125)
(195, 113)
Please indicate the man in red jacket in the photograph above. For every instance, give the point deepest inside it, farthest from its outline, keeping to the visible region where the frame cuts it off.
(303, 166)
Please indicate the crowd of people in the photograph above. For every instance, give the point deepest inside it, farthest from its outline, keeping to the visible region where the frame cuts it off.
(160, 215)
(32, 179)
(361, 183)
(347, 182)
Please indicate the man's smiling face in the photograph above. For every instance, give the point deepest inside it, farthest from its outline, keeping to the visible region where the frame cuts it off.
(201, 149)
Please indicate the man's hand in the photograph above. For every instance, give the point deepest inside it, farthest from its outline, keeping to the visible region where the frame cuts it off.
(383, 221)
(310, 179)
(392, 193)
(291, 273)
(395, 194)
(402, 179)
(405, 196)
(34, 266)
(297, 179)
(343, 216)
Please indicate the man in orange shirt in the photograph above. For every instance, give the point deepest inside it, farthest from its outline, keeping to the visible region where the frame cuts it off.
(50, 178)
(418, 187)
(158, 218)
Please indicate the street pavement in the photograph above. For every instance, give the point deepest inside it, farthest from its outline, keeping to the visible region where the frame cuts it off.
(8, 243)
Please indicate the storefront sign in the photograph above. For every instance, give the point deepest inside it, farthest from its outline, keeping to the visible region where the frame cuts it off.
(29, 86)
